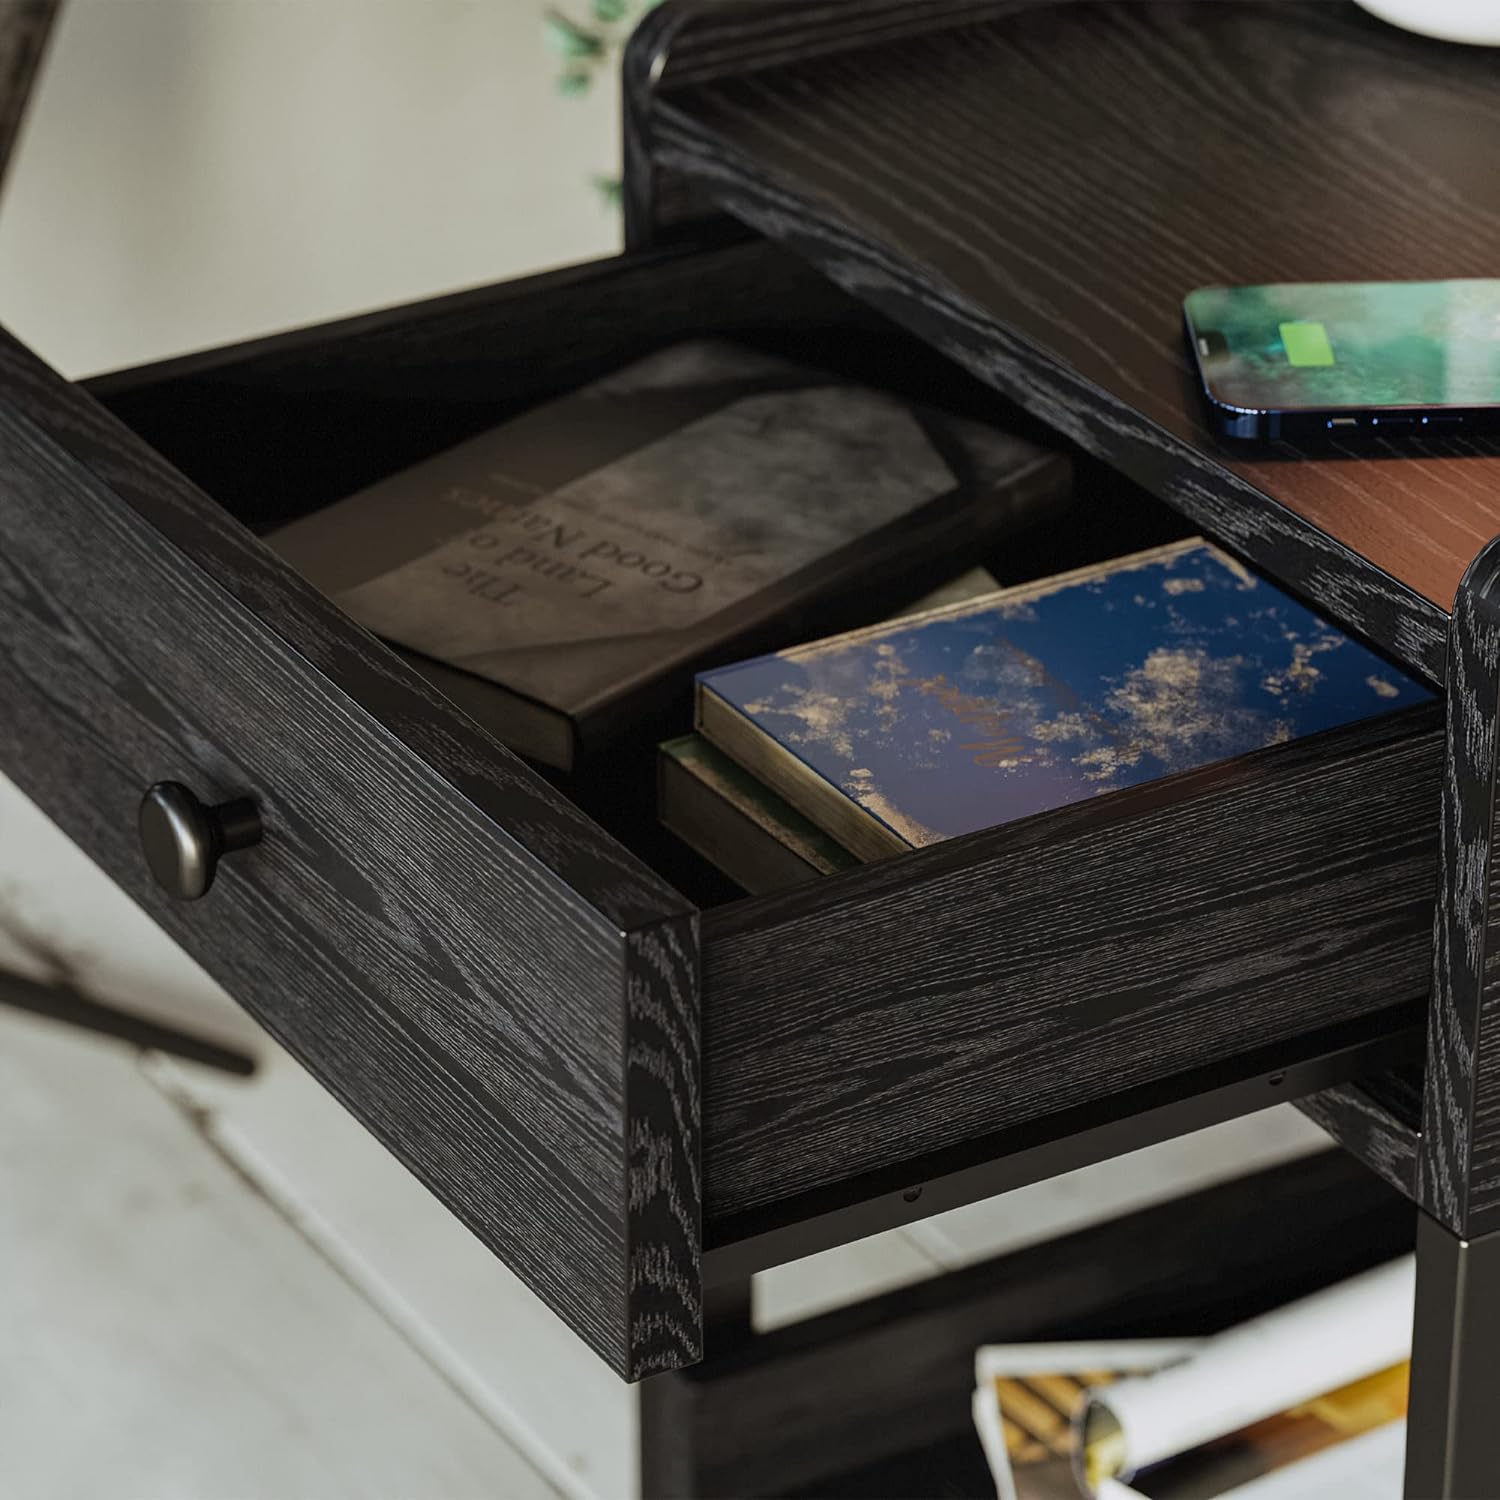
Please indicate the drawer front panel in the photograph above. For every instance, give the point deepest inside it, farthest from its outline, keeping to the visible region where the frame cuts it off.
(927, 1002)
(408, 926)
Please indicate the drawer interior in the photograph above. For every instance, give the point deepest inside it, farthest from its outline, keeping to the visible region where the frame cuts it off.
(276, 429)
(941, 998)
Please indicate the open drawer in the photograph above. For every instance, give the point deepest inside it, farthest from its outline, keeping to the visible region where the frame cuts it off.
(595, 1066)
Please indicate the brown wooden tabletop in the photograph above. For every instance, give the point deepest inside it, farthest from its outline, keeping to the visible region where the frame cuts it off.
(1037, 192)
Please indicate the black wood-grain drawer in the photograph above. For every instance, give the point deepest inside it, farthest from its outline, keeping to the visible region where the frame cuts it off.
(590, 1070)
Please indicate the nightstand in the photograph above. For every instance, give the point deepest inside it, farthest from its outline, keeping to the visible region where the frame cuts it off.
(638, 1097)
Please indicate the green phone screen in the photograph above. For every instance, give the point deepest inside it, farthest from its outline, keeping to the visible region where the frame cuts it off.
(1324, 345)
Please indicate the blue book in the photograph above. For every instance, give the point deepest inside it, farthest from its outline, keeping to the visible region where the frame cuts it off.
(979, 713)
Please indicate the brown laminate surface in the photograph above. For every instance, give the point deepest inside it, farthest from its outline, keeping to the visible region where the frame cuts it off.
(1039, 191)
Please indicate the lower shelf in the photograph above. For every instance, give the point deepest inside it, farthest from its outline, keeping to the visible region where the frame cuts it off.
(827, 1406)
(949, 1469)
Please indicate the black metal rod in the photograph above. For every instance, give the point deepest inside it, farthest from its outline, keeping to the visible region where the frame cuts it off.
(60, 1002)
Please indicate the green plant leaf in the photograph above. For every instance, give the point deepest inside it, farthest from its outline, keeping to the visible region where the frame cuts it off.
(570, 40)
(610, 11)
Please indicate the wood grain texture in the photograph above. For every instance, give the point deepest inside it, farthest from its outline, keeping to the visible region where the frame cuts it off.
(986, 981)
(1377, 1120)
(687, 42)
(1035, 195)
(25, 28)
(661, 1113)
(1460, 1157)
(838, 1392)
(654, 204)
(913, 1187)
(501, 993)
(697, 41)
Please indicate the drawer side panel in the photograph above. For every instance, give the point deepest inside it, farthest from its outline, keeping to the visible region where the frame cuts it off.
(926, 1002)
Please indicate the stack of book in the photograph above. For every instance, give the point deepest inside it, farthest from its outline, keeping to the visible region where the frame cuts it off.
(561, 575)
(1004, 706)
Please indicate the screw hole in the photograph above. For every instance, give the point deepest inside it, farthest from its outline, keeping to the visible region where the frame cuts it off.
(912, 1194)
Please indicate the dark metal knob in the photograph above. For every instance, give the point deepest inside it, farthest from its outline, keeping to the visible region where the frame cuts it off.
(183, 839)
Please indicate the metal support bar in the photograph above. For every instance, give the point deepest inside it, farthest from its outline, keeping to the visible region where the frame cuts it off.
(1452, 1443)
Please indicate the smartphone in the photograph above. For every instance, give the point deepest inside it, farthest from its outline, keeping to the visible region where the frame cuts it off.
(1347, 358)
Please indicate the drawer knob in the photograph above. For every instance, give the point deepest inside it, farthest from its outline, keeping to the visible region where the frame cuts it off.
(183, 838)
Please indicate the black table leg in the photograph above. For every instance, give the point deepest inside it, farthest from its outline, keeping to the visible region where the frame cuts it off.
(1453, 1431)
(672, 1422)
(1453, 1436)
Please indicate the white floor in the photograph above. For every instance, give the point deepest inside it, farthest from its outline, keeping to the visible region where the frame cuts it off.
(214, 1288)
(165, 1331)
(223, 1290)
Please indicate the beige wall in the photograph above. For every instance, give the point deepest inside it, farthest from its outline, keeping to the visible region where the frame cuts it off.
(194, 171)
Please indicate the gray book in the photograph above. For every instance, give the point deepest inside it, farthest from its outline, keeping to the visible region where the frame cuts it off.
(561, 575)
(738, 824)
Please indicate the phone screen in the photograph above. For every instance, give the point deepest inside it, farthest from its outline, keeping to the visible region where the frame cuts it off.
(1353, 345)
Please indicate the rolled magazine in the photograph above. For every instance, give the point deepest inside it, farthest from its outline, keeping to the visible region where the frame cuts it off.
(1026, 1399)
(1366, 1467)
(1307, 1401)
(1282, 1360)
